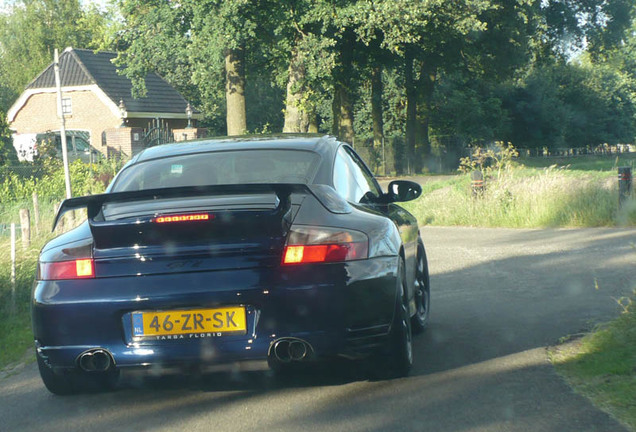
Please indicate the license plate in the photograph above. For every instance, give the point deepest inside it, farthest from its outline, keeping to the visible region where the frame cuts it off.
(228, 320)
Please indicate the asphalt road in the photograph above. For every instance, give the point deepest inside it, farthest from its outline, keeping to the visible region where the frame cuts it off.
(499, 298)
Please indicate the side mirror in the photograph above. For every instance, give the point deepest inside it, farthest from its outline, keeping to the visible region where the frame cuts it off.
(403, 190)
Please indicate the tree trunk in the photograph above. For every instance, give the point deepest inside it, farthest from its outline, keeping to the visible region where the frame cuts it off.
(411, 111)
(296, 119)
(312, 118)
(235, 91)
(376, 106)
(342, 106)
(343, 112)
(335, 110)
(426, 86)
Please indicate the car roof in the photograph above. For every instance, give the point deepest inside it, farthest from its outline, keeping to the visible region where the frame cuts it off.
(324, 145)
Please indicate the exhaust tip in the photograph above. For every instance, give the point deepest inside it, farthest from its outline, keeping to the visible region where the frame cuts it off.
(95, 360)
(281, 350)
(286, 350)
(297, 350)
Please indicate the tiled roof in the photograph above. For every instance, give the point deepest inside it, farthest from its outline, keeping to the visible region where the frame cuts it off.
(84, 67)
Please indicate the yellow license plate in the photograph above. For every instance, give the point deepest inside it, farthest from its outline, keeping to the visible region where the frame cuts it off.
(191, 321)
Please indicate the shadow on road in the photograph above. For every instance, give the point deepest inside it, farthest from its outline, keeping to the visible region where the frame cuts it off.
(232, 378)
(497, 301)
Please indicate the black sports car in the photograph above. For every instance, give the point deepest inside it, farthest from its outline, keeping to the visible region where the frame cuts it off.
(282, 249)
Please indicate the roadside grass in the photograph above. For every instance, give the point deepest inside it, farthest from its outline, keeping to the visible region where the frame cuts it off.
(524, 197)
(15, 324)
(602, 367)
(582, 163)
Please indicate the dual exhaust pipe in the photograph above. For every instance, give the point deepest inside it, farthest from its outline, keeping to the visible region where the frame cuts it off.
(288, 350)
(285, 350)
(96, 360)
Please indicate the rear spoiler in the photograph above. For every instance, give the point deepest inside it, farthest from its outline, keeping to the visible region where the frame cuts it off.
(326, 195)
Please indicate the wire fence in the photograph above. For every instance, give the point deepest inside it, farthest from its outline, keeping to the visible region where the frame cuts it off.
(41, 214)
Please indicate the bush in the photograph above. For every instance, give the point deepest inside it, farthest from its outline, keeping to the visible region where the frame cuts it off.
(49, 184)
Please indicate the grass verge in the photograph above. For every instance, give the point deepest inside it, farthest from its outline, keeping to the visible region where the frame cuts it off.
(526, 198)
(15, 324)
(582, 163)
(602, 367)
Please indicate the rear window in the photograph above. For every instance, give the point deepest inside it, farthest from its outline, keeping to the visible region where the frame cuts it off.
(216, 168)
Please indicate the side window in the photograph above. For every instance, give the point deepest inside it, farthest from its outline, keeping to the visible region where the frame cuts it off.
(363, 175)
(342, 177)
(350, 177)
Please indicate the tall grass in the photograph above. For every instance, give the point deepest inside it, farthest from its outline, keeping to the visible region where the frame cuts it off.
(582, 163)
(15, 326)
(527, 198)
(15, 194)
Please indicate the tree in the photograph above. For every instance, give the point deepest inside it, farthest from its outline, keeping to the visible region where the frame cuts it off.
(29, 33)
(335, 23)
(572, 106)
(428, 36)
(8, 154)
(203, 48)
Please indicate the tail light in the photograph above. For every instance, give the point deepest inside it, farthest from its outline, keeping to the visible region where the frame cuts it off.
(320, 244)
(83, 268)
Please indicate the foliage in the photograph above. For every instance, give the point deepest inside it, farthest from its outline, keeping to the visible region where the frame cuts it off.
(490, 161)
(29, 33)
(571, 106)
(539, 74)
(8, 155)
(526, 198)
(86, 179)
(471, 109)
(15, 325)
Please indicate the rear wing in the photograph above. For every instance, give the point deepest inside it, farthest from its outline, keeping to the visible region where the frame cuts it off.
(326, 195)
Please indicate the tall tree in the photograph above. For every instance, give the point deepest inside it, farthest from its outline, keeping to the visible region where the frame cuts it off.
(30, 30)
(201, 47)
(427, 35)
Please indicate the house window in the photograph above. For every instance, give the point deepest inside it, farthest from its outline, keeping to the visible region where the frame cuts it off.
(67, 108)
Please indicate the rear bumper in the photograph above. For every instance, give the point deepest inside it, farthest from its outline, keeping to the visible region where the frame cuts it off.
(340, 309)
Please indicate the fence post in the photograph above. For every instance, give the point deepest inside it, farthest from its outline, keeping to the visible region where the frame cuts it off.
(12, 268)
(36, 213)
(25, 225)
(624, 184)
(477, 183)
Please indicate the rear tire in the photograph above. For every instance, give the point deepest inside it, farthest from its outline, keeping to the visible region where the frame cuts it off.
(422, 292)
(397, 359)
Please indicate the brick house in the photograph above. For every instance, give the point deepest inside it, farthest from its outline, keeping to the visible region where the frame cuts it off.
(97, 102)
